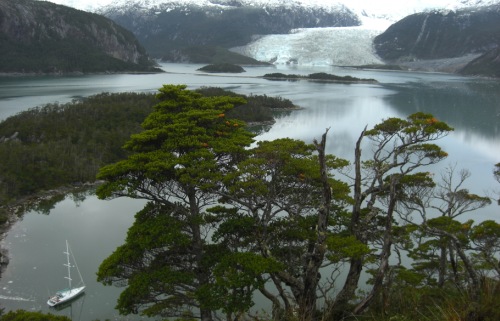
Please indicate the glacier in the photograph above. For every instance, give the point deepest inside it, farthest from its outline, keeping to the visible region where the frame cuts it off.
(335, 46)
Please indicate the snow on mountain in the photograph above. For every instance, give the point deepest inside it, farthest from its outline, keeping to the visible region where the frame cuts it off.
(391, 10)
(229, 3)
(94, 5)
(162, 5)
(396, 10)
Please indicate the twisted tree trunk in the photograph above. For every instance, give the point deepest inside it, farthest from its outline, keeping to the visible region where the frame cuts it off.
(307, 302)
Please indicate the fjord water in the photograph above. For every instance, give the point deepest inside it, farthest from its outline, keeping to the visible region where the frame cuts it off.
(95, 228)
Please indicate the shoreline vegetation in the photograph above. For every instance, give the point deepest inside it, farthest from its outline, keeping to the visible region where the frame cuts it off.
(56, 149)
(320, 77)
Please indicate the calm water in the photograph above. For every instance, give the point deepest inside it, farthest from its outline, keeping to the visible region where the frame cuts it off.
(95, 228)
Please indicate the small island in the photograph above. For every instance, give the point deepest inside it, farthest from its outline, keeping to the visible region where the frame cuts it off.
(222, 67)
(321, 77)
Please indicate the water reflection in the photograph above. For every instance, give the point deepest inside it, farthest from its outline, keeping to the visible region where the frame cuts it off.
(36, 244)
(472, 106)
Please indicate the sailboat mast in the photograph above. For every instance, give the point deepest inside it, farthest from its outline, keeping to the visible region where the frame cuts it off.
(71, 293)
(68, 264)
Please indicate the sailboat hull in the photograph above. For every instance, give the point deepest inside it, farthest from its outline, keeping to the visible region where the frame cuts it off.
(65, 296)
(71, 292)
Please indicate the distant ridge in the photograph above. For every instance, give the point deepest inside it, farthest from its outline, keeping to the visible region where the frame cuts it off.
(42, 37)
(163, 26)
(444, 35)
(437, 34)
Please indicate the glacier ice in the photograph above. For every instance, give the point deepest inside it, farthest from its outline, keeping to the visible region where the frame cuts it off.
(346, 46)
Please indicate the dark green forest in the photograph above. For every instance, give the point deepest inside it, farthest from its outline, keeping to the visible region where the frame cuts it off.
(58, 144)
(65, 144)
(31, 316)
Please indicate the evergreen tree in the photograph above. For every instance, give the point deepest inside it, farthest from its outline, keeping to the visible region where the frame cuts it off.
(176, 164)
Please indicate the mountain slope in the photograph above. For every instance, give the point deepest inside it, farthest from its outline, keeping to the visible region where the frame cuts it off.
(486, 65)
(439, 34)
(41, 37)
(209, 55)
(169, 25)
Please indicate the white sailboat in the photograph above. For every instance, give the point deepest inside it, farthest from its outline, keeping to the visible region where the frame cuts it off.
(71, 292)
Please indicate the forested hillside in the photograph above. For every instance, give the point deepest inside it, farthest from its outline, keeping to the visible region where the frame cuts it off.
(42, 37)
(63, 144)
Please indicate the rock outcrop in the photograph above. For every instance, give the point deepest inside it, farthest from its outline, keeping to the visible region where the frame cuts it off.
(42, 37)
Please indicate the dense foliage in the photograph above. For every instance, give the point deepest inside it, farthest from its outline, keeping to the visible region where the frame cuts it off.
(22, 315)
(258, 108)
(59, 144)
(63, 144)
(225, 220)
(187, 146)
